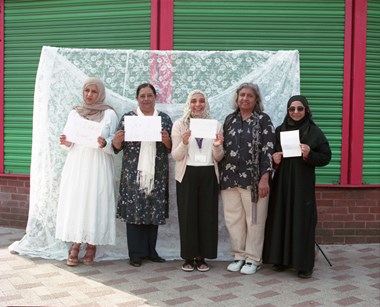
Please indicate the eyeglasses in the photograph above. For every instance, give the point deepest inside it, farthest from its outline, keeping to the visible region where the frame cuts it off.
(299, 109)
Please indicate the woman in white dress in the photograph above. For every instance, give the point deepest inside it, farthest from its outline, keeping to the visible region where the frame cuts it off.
(86, 205)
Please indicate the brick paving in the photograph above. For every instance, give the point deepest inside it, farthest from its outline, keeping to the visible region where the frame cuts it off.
(353, 280)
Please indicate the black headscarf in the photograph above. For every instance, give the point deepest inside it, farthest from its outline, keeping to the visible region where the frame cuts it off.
(302, 125)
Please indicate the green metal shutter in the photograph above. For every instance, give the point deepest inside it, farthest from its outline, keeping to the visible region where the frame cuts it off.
(371, 157)
(29, 25)
(315, 28)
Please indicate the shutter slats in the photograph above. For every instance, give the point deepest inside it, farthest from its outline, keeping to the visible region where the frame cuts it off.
(29, 25)
(315, 28)
(371, 157)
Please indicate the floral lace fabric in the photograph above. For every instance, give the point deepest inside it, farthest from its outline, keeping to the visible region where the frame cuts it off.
(59, 81)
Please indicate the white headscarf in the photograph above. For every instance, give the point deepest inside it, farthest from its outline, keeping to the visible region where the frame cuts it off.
(146, 165)
(187, 114)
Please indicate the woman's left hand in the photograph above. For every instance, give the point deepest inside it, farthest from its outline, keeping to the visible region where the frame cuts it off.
(264, 185)
(102, 142)
(165, 137)
(305, 150)
(219, 140)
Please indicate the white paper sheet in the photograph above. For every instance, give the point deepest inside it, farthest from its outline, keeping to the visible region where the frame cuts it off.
(203, 128)
(83, 131)
(290, 143)
(142, 128)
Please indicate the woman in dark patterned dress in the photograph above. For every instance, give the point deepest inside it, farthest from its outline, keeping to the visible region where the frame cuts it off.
(143, 200)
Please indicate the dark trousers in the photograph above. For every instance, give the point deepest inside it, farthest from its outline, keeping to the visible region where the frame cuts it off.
(142, 240)
(197, 201)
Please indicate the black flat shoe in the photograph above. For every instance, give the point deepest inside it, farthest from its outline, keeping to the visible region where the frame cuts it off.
(201, 264)
(188, 265)
(305, 274)
(278, 267)
(136, 262)
(156, 259)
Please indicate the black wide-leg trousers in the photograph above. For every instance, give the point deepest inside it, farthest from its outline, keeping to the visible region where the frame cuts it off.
(197, 202)
(142, 240)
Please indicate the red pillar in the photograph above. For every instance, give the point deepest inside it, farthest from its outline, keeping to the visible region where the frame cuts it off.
(162, 24)
(353, 92)
(359, 44)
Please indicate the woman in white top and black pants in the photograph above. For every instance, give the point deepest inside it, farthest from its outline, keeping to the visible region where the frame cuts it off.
(197, 183)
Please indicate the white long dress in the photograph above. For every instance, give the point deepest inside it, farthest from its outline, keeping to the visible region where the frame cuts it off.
(86, 205)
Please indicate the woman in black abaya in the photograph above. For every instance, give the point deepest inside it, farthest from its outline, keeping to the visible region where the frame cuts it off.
(292, 211)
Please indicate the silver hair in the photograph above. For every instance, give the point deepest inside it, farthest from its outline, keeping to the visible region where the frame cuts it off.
(255, 88)
(187, 110)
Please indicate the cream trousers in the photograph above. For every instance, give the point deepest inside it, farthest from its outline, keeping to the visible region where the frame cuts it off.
(247, 239)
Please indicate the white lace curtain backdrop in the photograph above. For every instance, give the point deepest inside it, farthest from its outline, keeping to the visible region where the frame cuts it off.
(58, 88)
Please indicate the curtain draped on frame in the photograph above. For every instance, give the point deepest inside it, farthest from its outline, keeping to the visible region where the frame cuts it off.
(58, 88)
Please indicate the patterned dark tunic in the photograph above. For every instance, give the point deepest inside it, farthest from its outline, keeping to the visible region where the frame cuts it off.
(133, 205)
(248, 145)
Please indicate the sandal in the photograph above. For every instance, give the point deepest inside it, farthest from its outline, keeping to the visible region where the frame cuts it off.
(202, 266)
(90, 254)
(188, 265)
(72, 259)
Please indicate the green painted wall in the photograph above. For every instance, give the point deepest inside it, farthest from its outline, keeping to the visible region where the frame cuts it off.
(315, 28)
(29, 25)
(371, 155)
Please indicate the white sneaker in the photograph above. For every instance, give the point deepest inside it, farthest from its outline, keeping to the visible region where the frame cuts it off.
(250, 268)
(235, 266)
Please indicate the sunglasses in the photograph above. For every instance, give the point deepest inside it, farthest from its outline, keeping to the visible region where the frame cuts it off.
(299, 109)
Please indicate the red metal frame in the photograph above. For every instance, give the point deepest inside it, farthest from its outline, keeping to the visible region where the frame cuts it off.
(354, 92)
(359, 40)
(353, 88)
(161, 39)
(346, 109)
(166, 24)
(154, 24)
(161, 24)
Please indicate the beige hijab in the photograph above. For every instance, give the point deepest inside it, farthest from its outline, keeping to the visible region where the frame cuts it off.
(94, 112)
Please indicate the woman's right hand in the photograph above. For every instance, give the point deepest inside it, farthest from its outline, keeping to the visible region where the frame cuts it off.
(118, 139)
(277, 156)
(63, 141)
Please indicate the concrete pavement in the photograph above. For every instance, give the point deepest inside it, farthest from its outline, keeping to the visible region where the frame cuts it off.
(352, 280)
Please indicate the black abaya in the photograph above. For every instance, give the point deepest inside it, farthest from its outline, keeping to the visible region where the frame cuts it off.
(292, 212)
